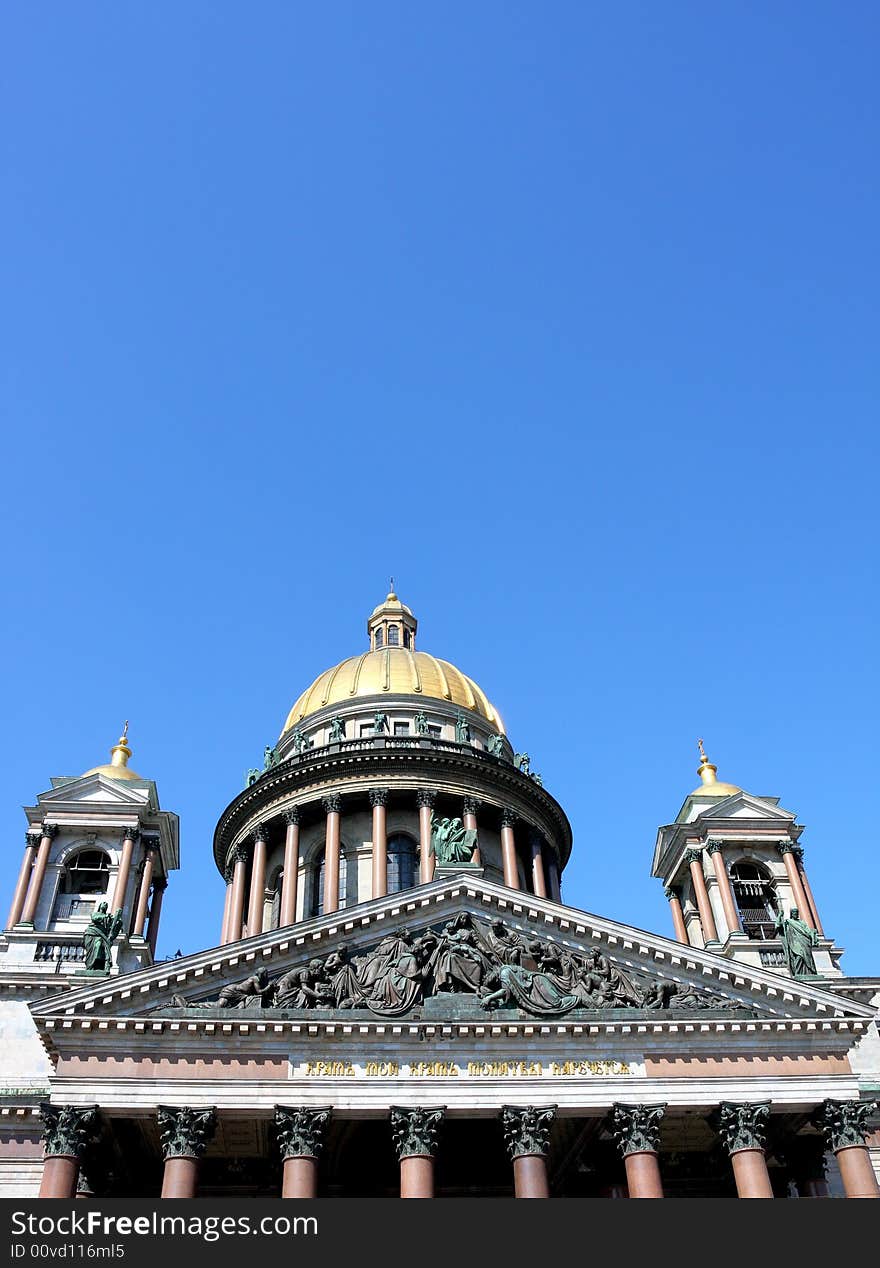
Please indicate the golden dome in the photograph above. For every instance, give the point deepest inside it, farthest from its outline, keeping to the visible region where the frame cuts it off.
(393, 671)
(711, 787)
(117, 767)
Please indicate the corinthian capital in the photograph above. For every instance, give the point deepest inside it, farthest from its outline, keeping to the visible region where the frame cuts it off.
(743, 1126)
(636, 1128)
(426, 798)
(332, 805)
(693, 855)
(415, 1130)
(300, 1131)
(378, 797)
(527, 1128)
(67, 1129)
(844, 1123)
(185, 1132)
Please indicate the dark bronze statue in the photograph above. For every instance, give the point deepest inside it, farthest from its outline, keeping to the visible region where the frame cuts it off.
(495, 745)
(451, 842)
(337, 731)
(98, 937)
(798, 940)
(462, 729)
(420, 722)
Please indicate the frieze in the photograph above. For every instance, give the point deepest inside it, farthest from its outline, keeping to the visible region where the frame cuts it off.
(370, 1069)
(462, 968)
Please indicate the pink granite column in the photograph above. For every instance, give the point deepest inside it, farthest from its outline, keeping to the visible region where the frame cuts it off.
(184, 1135)
(553, 878)
(743, 1131)
(257, 903)
(290, 880)
(527, 1136)
(508, 849)
(694, 860)
(227, 906)
(300, 1134)
(332, 808)
(425, 800)
(808, 893)
(68, 1130)
(50, 831)
(636, 1131)
(415, 1138)
(469, 821)
(31, 845)
(725, 889)
(160, 884)
(150, 852)
(677, 914)
(129, 836)
(379, 803)
(845, 1125)
(787, 850)
(539, 883)
(236, 901)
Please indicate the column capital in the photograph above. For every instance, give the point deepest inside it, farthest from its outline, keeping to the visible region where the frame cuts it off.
(185, 1132)
(32, 837)
(714, 847)
(379, 797)
(301, 1131)
(636, 1128)
(160, 884)
(693, 855)
(332, 805)
(131, 834)
(240, 853)
(150, 843)
(229, 870)
(292, 815)
(670, 892)
(415, 1129)
(49, 830)
(471, 805)
(260, 833)
(527, 1129)
(798, 852)
(844, 1123)
(508, 817)
(426, 798)
(67, 1129)
(785, 847)
(743, 1125)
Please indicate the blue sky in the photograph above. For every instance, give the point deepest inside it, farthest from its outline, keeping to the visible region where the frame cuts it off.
(564, 315)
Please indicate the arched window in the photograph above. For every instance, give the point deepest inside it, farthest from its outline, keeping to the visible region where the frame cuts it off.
(88, 872)
(407, 638)
(393, 636)
(380, 637)
(402, 858)
(755, 898)
(316, 897)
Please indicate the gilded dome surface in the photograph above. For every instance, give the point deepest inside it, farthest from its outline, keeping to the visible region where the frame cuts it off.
(117, 768)
(391, 671)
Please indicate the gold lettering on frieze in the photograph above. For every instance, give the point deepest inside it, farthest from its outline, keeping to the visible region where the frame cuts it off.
(473, 1070)
(382, 1069)
(505, 1069)
(434, 1070)
(570, 1068)
(330, 1069)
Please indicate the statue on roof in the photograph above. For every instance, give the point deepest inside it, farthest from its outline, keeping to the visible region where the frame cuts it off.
(98, 937)
(420, 722)
(451, 841)
(462, 729)
(798, 940)
(337, 731)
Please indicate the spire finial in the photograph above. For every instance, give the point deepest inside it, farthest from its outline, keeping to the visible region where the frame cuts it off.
(120, 752)
(705, 770)
(391, 594)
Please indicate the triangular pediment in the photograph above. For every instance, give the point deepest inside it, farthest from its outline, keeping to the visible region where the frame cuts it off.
(98, 789)
(454, 950)
(739, 805)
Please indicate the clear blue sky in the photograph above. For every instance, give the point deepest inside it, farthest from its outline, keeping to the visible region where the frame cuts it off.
(565, 315)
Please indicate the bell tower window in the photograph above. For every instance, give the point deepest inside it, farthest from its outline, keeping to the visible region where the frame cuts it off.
(380, 637)
(393, 636)
(756, 899)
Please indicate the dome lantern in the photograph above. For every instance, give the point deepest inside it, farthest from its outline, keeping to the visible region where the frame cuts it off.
(392, 624)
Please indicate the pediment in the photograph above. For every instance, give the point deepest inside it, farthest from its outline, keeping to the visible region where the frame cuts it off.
(457, 949)
(743, 805)
(97, 788)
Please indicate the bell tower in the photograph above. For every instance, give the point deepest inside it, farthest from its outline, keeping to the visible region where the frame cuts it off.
(94, 845)
(733, 872)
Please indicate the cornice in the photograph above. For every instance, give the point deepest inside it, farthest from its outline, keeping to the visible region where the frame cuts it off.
(409, 766)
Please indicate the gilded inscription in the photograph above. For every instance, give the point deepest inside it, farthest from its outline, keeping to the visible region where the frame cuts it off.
(473, 1070)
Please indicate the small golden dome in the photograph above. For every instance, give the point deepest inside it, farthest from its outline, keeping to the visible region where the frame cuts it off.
(117, 767)
(711, 787)
(392, 667)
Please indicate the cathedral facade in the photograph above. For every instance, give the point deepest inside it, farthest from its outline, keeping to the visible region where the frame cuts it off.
(400, 1003)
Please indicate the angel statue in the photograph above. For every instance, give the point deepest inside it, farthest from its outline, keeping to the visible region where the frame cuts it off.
(451, 841)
